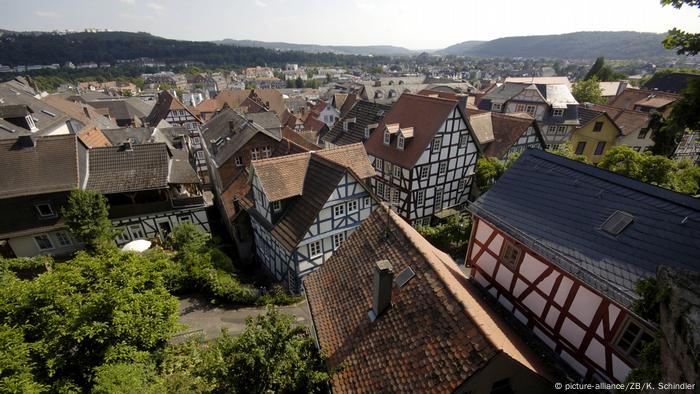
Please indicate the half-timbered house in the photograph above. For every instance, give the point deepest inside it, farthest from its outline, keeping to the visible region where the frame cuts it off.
(355, 125)
(424, 152)
(171, 110)
(561, 244)
(305, 205)
(150, 189)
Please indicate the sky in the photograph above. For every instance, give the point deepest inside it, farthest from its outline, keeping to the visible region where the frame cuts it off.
(414, 24)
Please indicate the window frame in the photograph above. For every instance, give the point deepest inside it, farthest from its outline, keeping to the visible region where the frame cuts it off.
(643, 133)
(200, 155)
(46, 238)
(353, 206)
(254, 154)
(239, 161)
(598, 127)
(511, 265)
(442, 168)
(436, 144)
(366, 201)
(528, 110)
(437, 206)
(420, 198)
(424, 175)
(122, 231)
(386, 138)
(400, 141)
(380, 185)
(580, 148)
(496, 107)
(378, 164)
(338, 210)
(53, 213)
(557, 112)
(276, 206)
(315, 245)
(396, 171)
(266, 152)
(628, 352)
(140, 230)
(599, 149)
(338, 240)
(463, 141)
(63, 235)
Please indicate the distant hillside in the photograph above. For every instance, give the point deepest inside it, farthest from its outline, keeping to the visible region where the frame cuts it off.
(47, 48)
(374, 50)
(580, 45)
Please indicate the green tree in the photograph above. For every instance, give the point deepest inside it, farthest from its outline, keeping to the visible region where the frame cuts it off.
(685, 43)
(16, 366)
(187, 237)
(452, 236)
(488, 170)
(595, 69)
(127, 378)
(602, 71)
(299, 83)
(588, 91)
(623, 160)
(87, 218)
(273, 354)
(566, 150)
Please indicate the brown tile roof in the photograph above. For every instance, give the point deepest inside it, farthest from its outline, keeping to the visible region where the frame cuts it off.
(313, 124)
(84, 113)
(238, 188)
(631, 96)
(166, 102)
(297, 138)
(93, 137)
(115, 169)
(425, 114)
(627, 121)
(507, 129)
(282, 177)
(437, 333)
(208, 105)
(50, 166)
(318, 107)
(352, 156)
(483, 127)
(234, 98)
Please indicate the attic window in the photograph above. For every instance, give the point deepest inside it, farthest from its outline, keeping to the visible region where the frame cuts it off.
(404, 277)
(495, 107)
(557, 112)
(400, 142)
(387, 137)
(617, 222)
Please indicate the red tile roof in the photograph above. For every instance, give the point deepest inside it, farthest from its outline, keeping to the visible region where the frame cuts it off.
(425, 114)
(436, 334)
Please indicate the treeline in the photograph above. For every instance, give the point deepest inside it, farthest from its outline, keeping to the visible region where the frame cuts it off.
(24, 49)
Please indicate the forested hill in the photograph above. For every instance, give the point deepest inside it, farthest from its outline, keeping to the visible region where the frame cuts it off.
(47, 48)
(375, 50)
(579, 45)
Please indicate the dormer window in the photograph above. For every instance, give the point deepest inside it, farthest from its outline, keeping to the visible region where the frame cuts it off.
(378, 94)
(276, 206)
(387, 137)
(496, 107)
(400, 142)
(558, 112)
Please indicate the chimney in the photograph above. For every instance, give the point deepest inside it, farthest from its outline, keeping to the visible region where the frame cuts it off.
(462, 98)
(87, 113)
(381, 288)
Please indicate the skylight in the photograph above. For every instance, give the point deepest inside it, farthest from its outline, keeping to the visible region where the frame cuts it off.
(404, 277)
(617, 222)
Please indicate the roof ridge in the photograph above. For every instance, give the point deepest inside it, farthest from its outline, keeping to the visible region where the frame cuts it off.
(429, 98)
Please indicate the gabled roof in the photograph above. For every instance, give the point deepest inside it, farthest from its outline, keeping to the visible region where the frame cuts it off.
(85, 113)
(166, 103)
(350, 102)
(505, 129)
(46, 117)
(365, 113)
(627, 121)
(541, 80)
(234, 98)
(232, 130)
(208, 105)
(673, 82)
(116, 169)
(121, 108)
(587, 114)
(436, 334)
(297, 138)
(425, 114)
(50, 166)
(92, 137)
(632, 96)
(557, 206)
(483, 126)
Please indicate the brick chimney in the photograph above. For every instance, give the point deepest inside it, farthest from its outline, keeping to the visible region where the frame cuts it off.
(381, 288)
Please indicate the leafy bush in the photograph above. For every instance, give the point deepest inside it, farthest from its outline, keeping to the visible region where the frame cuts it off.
(87, 218)
(452, 237)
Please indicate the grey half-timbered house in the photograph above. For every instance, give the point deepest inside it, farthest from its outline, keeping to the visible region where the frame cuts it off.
(503, 135)
(424, 152)
(305, 205)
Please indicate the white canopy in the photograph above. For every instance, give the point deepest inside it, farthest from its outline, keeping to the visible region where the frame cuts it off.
(138, 245)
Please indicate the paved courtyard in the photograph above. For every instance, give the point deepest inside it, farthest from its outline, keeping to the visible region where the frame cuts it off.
(201, 317)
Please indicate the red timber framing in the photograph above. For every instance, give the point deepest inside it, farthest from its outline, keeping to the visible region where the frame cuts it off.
(578, 323)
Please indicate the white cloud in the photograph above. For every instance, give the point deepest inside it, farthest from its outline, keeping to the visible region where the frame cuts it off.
(48, 14)
(155, 7)
(260, 3)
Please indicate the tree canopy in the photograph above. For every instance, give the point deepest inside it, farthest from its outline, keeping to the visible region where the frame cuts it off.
(588, 91)
(683, 42)
(87, 218)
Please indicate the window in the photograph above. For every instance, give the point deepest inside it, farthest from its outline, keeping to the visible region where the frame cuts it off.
(442, 168)
(400, 142)
(395, 197)
(63, 238)
(380, 189)
(496, 107)
(122, 235)
(598, 126)
(30, 122)
(461, 185)
(420, 198)
(463, 141)
(438, 200)
(557, 112)
(397, 171)
(424, 172)
(276, 206)
(266, 152)
(43, 242)
(387, 168)
(600, 148)
(200, 155)
(315, 249)
(338, 240)
(580, 147)
(520, 108)
(136, 231)
(339, 210)
(255, 154)
(557, 130)
(239, 161)
(184, 218)
(530, 109)
(45, 210)
(437, 144)
(643, 134)
(387, 137)
(196, 141)
(632, 339)
(510, 255)
(352, 206)
(378, 164)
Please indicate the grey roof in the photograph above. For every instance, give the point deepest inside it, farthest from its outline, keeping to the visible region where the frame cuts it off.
(587, 115)
(46, 117)
(504, 92)
(219, 128)
(50, 166)
(268, 120)
(123, 108)
(364, 113)
(143, 135)
(181, 170)
(556, 207)
(115, 169)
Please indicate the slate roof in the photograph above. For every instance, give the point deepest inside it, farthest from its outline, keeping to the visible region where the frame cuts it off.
(425, 114)
(673, 82)
(436, 334)
(115, 169)
(586, 115)
(219, 127)
(307, 179)
(46, 117)
(50, 166)
(268, 120)
(506, 129)
(166, 102)
(181, 171)
(120, 108)
(365, 113)
(482, 124)
(556, 206)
